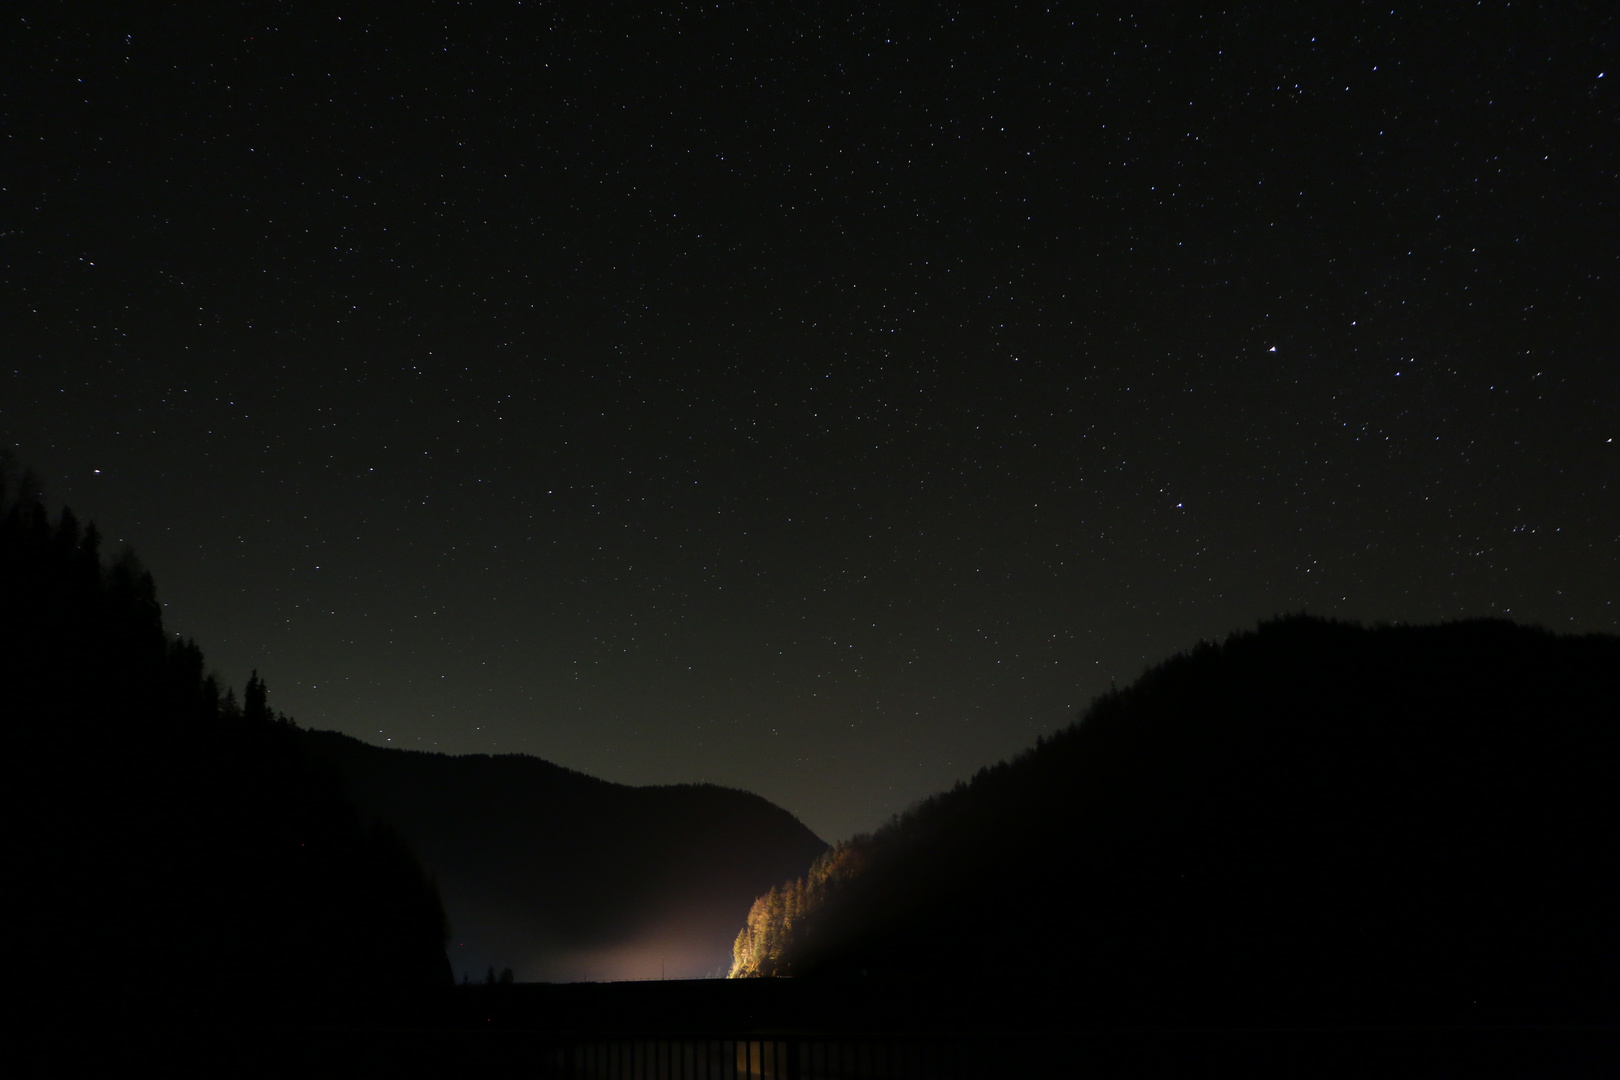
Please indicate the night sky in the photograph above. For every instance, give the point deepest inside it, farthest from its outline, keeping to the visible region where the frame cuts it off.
(816, 403)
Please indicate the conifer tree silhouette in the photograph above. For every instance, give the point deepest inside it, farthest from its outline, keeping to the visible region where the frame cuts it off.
(255, 700)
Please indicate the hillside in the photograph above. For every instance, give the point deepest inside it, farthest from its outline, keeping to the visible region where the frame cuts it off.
(565, 877)
(1313, 822)
(175, 859)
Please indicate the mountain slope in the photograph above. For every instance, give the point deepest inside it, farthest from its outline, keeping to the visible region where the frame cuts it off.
(1311, 822)
(174, 857)
(566, 877)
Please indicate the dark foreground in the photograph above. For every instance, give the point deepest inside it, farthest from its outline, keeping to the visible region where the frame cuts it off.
(780, 1030)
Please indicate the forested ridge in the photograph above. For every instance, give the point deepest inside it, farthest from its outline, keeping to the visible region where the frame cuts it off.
(1312, 822)
(177, 856)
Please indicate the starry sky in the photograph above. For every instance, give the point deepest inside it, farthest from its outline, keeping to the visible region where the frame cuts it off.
(818, 402)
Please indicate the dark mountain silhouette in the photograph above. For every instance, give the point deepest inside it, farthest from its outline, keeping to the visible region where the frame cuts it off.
(566, 877)
(1312, 823)
(174, 856)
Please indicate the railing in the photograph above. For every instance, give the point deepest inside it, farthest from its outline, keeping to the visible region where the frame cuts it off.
(1181, 1055)
(785, 1058)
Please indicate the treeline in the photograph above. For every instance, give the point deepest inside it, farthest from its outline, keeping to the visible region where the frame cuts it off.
(176, 855)
(777, 919)
(1313, 822)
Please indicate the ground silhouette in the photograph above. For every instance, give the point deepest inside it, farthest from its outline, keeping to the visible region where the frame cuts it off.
(175, 857)
(1311, 823)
